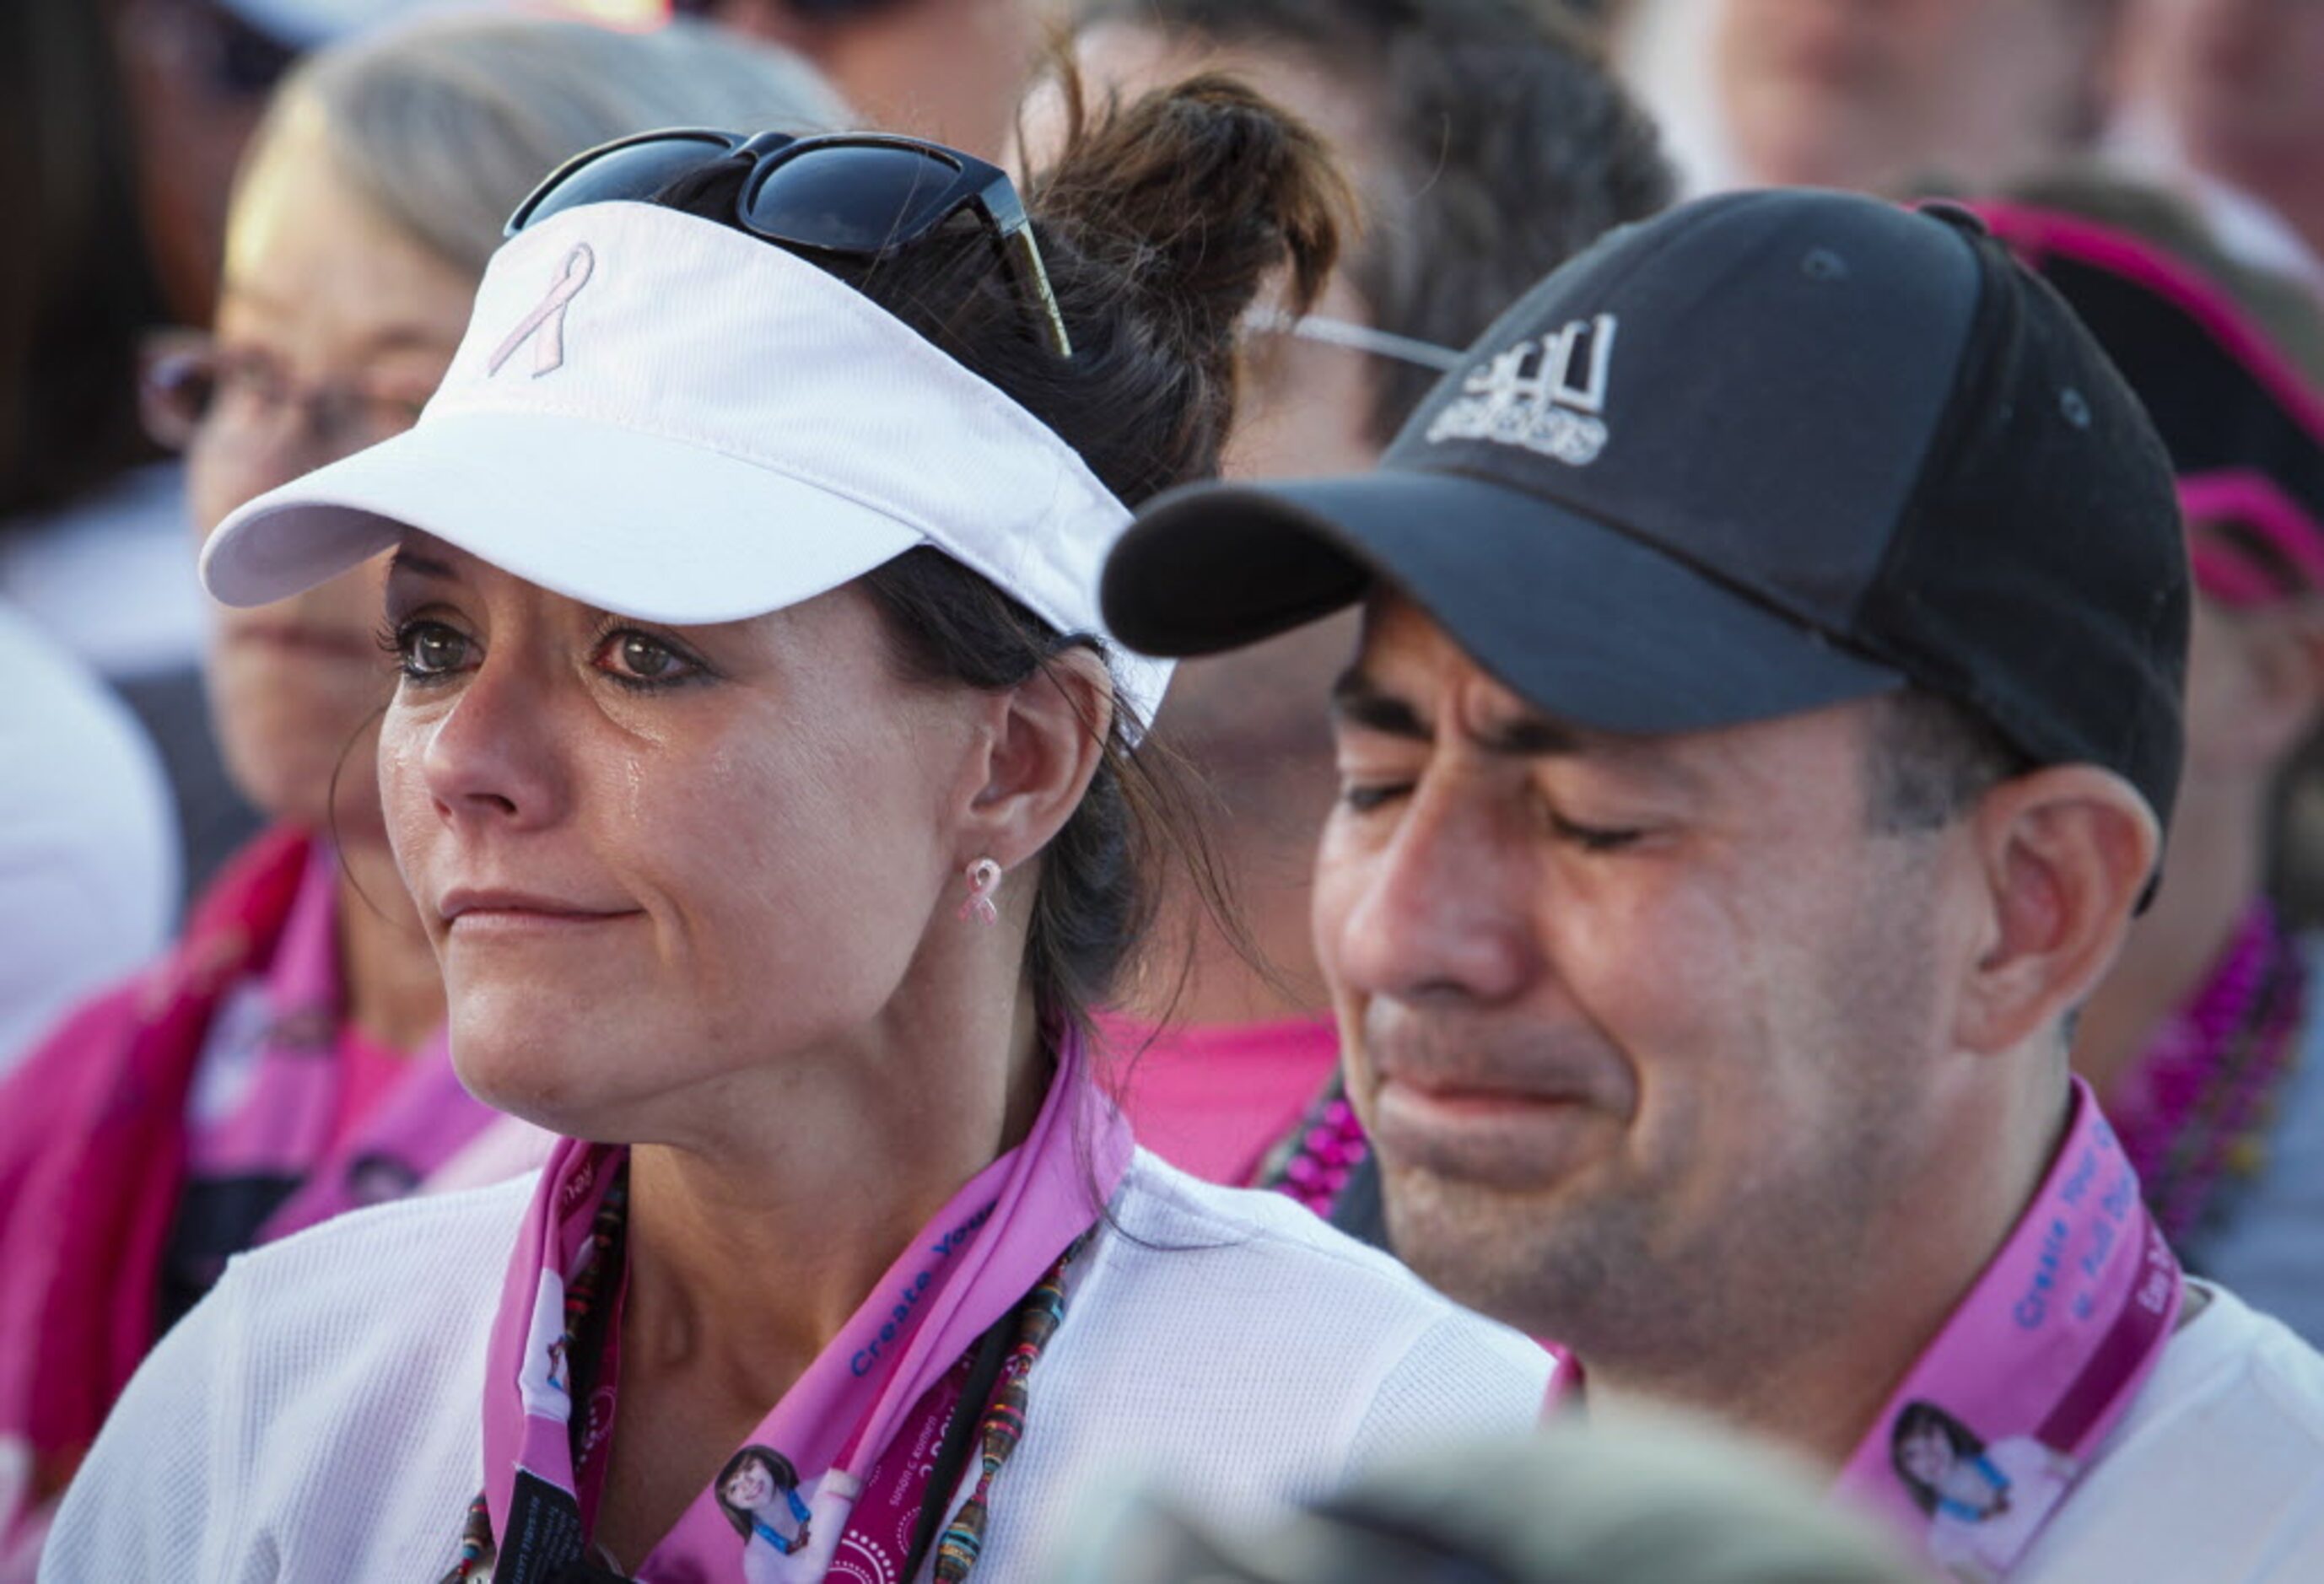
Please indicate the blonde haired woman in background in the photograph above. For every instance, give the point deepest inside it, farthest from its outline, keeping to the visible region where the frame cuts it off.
(284, 1061)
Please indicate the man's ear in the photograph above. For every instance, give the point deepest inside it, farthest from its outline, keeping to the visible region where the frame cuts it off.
(2065, 852)
(1048, 737)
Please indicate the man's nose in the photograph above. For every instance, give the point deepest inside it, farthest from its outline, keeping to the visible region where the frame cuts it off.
(1445, 908)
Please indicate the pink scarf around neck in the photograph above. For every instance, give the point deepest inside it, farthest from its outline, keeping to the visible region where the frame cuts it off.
(889, 1380)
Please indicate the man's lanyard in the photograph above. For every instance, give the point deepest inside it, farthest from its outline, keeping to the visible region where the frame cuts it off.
(2050, 1345)
(2050, 1348)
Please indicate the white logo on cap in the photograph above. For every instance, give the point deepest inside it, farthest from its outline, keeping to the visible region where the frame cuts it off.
(545, 326)
(1528, 396)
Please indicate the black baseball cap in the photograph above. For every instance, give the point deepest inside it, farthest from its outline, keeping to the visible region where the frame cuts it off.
(1766, 452)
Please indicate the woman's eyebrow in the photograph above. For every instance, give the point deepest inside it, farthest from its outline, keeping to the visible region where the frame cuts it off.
(408, 562)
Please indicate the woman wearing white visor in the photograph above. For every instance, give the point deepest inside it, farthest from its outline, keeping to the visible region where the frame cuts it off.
(761, 775)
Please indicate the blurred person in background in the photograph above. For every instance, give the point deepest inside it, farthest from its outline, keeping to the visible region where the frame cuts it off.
(2226, 99)
(1868, 93)
(284, 1061)
(1659, 1501)
(949, 70)
(88, 855)
(89, 846)
(1486, 142)
(2205, 1042)
(101, 568)
(199, 74)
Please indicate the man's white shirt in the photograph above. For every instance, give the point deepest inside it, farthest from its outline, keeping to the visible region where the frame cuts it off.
(2216, 1476)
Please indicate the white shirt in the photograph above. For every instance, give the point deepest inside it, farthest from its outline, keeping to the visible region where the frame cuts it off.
(2216, 1476)
(319, 1415)
(89, 837)
(112, 575)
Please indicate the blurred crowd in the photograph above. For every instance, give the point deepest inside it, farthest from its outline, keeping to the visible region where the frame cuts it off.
(250, 235)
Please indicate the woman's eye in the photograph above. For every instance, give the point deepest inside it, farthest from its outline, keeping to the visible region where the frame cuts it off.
(642, 657)
(641, 660)
(430, 649)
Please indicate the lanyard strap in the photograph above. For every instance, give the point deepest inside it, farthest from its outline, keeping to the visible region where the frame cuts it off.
(960, 1439)
(993, 1376)
(2039, 1363)
(854, 1436)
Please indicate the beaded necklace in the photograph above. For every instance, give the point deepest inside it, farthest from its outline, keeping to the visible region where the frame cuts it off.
(2195, 1112)
(998, 1436)
(1313, 1164)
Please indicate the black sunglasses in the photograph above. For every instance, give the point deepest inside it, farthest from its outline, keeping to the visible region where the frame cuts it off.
(854, 194)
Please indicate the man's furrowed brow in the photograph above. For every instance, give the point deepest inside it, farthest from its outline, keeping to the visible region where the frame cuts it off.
(1359, 701)
(1529, 737)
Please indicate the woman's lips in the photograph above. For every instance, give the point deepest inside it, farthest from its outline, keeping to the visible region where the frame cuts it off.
(507, 920)
(471, 912)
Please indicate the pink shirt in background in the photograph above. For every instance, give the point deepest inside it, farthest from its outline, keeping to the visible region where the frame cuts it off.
(1213, 1099)
(369, 1071)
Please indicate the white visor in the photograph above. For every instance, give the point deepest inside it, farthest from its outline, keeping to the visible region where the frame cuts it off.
(668, 420)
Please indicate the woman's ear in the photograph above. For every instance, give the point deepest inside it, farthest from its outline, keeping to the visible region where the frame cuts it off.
(1048, 737)
(2065, 853)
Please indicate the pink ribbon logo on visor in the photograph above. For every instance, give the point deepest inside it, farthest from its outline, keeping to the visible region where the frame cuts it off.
(545, 326)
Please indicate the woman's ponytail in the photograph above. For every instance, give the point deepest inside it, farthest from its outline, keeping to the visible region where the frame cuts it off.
(1174, 212)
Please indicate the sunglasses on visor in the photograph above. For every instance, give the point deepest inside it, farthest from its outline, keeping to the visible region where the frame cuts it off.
(851, 195)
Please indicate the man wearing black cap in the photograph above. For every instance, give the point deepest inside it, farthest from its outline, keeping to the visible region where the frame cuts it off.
(1766, 717)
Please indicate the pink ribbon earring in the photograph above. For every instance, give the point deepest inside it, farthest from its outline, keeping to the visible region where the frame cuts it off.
(983, 879)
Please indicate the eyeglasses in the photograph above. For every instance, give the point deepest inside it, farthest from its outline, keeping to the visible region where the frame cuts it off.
(853, 194)
(190, 386)
(1355, 338)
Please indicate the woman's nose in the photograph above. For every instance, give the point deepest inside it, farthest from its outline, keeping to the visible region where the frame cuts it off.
(489, 756)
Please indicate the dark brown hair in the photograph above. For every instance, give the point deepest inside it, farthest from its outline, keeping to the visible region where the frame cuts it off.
(76, 289)
(1158, 221)
(1929, 759)
(1916, 1420)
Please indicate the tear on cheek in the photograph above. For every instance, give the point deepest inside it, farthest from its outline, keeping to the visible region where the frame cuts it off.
(404, 794)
